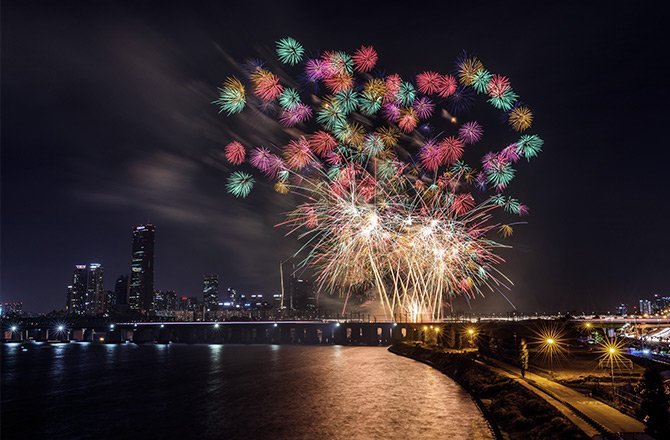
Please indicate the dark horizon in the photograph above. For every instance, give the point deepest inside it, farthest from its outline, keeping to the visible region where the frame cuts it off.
(107, 124)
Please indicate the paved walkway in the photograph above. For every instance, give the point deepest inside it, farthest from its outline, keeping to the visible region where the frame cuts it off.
(558, 395)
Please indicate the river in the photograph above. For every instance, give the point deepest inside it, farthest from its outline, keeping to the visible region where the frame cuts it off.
(92, 391)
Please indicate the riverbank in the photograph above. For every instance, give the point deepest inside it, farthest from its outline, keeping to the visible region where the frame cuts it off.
(513, 411)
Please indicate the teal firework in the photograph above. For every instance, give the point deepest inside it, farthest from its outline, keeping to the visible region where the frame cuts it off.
(500, 175)
(373, 144)
(529, 146)
(369, 105)
(480, 80)
(406, 94)
(512, 205)
(283, 175)
(386, 169)
(498, 200)
(289, 51)
(240, 184)
(331, 116)
(232, 97)
(505, 101)
(460, 167)
(333, 172)
(346, 100)
(289, 99)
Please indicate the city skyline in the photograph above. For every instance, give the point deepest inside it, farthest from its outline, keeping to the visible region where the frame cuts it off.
(577, 250)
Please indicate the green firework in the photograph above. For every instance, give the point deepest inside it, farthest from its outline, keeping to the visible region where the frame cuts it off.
(289, 51)
(240, 184)
(529, 146)
(289, 99)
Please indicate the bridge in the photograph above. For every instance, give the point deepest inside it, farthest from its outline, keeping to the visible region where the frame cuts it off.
(244, 332)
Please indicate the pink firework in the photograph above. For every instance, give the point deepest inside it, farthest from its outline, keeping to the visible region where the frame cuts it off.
(235, 153)
(301, 113)
(489, 160)
(297, 153)
(463, 203)
(523, 210)
(470, 132)
(392, 86)
(261, 158)
(333, 158)
(339, 82)
(322, 143)
(428, 82)
(446, 86)
(315, 69)
(423, 107)
(391, 112)
(408, 120)
(430, 156)
(368, 188)
(268, 88)
(509, 154)
(498, 86)
(365, 59)
(451, 150)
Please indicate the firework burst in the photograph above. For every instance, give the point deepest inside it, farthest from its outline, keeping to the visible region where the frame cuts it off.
(386, 206)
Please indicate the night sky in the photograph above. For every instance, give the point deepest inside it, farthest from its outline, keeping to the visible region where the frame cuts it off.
(107, 123)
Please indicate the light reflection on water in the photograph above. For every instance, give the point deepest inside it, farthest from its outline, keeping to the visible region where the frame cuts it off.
(231, 391)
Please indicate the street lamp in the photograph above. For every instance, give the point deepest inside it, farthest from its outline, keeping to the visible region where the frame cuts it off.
(14, 328)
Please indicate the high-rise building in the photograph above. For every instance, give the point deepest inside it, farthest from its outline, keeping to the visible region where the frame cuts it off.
(210, 292)
(96, 296)
(645, 307)
(121, 290)
(76, 292)
(302, 295)
(621, 310)
(661, 303)
(141, 290)
(86, 295)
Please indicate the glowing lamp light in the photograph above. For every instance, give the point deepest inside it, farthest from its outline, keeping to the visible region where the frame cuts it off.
(550, 341)
(275, 324)
(162, 325)
(111, 326)
(337, 324)
(216, 325)
(612, 350)
(13, 328)
(61, 328)
(471, 331)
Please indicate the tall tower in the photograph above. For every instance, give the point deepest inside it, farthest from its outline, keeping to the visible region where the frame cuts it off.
(76, 292)
(141, 290)
(96, 297)
(210, 292)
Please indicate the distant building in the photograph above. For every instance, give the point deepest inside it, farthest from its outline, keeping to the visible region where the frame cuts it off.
(622, 310)
(645, 307)
(86, 295)
(165, 301)
(302, 295)
(210, 292)
(11, 308)
(121, 290)
(661, 303)
(141, 290)
(96, 296)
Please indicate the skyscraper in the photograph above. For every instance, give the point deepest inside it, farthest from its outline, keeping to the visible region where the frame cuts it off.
(86, 295)
(210, 292)
(96, 297)
(141, 291)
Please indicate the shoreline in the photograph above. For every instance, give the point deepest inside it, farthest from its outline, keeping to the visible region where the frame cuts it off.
(503, 403)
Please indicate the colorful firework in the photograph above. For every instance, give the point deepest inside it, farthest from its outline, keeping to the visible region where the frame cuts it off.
(232, 98)
(289, 51)
(240, 184)
(520, 118)
(387, 206)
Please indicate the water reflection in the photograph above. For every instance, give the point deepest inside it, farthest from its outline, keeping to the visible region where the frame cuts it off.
(231, 391)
